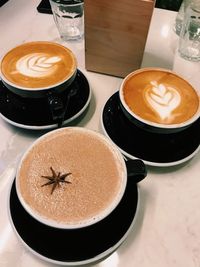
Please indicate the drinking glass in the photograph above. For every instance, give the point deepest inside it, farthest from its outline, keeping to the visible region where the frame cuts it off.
(69, 18)
(180, 16)
(189, 41)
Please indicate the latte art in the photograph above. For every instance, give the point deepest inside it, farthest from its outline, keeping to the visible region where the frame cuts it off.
(159, 96)
(37, 65)
(162, 99)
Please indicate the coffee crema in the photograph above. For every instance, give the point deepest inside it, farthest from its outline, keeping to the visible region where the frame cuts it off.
(161, 97)
(96, 176)
(38, 64)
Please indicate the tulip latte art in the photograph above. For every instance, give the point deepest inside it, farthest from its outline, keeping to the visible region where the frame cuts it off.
(38, 65)
(160, 96)
(162, 99)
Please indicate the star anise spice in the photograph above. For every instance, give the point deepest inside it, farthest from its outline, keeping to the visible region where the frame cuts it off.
(55, 179)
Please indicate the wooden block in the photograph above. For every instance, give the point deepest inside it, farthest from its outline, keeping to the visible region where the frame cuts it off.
(115, 34)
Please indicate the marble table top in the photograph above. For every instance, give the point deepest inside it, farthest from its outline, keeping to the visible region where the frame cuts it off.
(167, 226)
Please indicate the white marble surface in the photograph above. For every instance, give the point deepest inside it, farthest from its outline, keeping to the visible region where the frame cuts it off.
(167, 228)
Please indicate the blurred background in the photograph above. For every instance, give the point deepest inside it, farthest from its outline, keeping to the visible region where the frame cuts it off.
(165, 4)
(169, 4)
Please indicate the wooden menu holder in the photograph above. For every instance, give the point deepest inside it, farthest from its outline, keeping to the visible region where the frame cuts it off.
(115, 34)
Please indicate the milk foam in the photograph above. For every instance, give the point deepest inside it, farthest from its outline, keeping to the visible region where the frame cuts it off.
(37, 64)
(162, 99)
(96, 168)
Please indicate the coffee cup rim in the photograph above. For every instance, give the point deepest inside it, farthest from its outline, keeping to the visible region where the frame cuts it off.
(154, 124)
(84, 223)
(36, 89)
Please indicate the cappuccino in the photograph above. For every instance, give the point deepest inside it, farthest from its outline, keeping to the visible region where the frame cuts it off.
(91, 172)
(38, 65)
(160, 96)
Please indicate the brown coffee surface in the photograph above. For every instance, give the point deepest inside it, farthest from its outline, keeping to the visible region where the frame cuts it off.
(161, 97)
(95, 177)
(38, 64)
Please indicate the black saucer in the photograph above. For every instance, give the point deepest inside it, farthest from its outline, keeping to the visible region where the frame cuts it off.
(35, 113)
(155, 149)
(75, 247)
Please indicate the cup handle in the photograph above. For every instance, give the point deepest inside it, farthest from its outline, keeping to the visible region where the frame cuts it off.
(56, 106)
(136, 169)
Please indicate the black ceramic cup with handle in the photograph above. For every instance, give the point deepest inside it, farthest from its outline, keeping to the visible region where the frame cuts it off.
(39, 69)
(159, 100)
(79, 174)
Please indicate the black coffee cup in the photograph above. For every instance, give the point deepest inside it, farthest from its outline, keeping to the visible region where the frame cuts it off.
(93, 178)
(159, 100)
(40, 69)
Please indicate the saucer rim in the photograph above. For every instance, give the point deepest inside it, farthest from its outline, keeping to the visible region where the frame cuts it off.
(52, 126)
(97, 258)
(149, 163)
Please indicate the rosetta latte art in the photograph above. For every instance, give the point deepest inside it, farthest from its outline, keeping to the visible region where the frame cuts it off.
(162, 99)
(37, 64)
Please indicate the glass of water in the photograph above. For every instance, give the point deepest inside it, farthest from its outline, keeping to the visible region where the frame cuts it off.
(180, 16)
(69, 18)
(189, 41)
